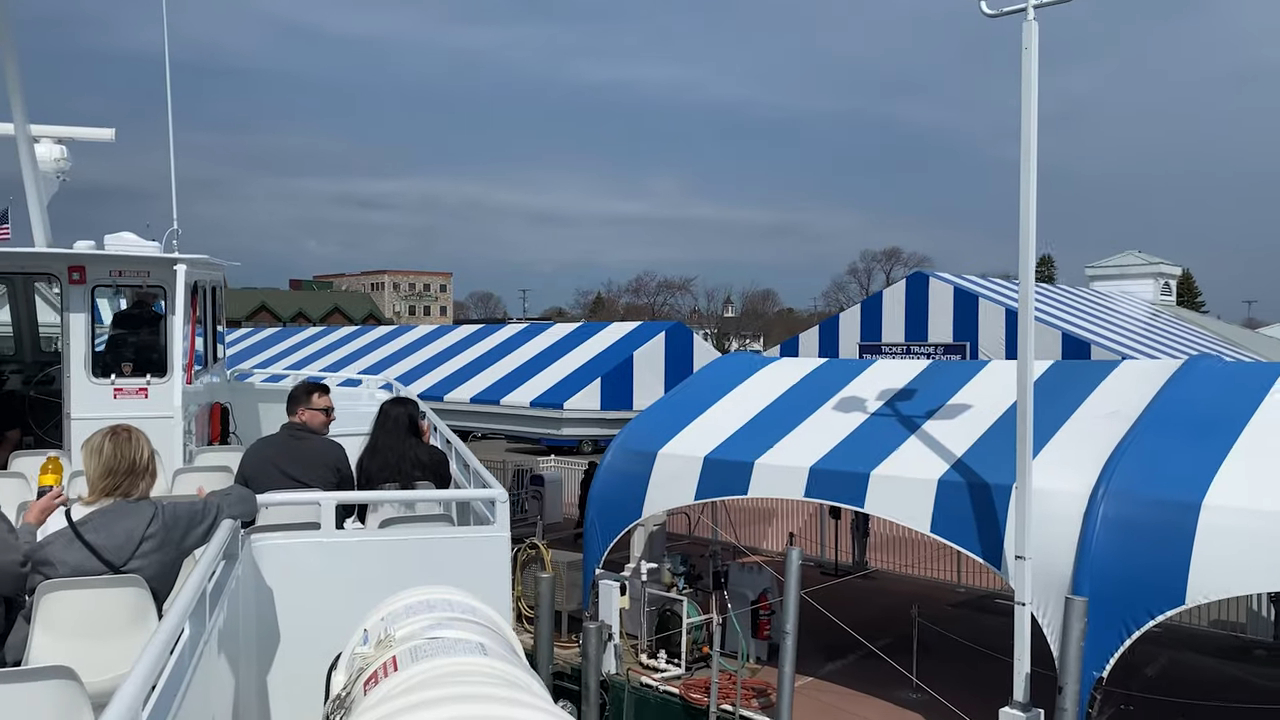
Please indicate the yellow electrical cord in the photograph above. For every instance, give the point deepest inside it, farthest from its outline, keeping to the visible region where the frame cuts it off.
(531, 551)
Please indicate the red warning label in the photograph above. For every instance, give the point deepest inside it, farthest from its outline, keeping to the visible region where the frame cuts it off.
(129, 393)
(380, 673)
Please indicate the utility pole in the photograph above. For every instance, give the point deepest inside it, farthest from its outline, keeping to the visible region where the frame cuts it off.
(1020, 707)
(814, 305)
(1248, 313)
(524, 304)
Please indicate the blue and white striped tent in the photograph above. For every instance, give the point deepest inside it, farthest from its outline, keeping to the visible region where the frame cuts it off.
(593, 367)
(1153, 480)
(1073, 323)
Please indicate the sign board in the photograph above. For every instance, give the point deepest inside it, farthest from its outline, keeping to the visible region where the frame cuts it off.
(129, 273)
(913, 351)
(129, 393)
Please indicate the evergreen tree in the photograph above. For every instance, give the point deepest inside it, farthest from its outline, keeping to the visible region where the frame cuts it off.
(1189, 295)
(1047, 269)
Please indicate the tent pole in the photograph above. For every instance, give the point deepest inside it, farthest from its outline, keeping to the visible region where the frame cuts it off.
(1075, 617)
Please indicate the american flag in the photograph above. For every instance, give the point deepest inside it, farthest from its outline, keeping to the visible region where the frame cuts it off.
(4, 223)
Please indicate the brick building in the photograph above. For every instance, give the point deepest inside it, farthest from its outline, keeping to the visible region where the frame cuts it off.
(407, 297)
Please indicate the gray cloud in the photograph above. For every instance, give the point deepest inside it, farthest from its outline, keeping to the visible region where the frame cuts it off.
(551, 145)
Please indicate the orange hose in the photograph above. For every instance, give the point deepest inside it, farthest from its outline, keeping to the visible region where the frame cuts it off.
(756, 694)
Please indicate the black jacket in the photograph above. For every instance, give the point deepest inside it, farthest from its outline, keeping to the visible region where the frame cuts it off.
(294, 458)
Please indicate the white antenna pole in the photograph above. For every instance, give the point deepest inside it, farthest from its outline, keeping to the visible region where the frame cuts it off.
(40, 232)
(1020, 707)
(168, 96)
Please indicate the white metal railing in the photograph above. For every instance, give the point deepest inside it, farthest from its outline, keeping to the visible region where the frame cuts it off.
(467, 468)
(492, 501)
(177, 641)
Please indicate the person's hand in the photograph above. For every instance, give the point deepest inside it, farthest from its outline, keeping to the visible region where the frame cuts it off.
(40, 510)
(201, 492)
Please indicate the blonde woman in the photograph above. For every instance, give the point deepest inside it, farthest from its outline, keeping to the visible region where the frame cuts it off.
(117, 528)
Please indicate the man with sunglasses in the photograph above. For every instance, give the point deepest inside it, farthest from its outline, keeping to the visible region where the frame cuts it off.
(298, 456)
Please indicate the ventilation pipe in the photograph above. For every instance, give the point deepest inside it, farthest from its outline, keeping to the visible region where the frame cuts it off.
(436, 653)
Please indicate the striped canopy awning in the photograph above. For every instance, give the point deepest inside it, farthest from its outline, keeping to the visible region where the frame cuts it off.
(1151, 490)
(1072, 323)
(592, 367)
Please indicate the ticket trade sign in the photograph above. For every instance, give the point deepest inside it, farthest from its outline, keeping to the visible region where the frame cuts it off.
(913, 351)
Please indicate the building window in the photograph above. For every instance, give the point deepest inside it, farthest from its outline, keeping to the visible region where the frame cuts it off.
(395, 287)
(129, 326)
(413, 311)
(426, 311)
(363, 288)
(444, 287)
(413, 287)
(444, 311)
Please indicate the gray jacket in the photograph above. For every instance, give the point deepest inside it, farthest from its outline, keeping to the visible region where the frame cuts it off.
(142, 537)
(13, 562)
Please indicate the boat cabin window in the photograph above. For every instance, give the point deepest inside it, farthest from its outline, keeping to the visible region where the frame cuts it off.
(218, 323)
(8, 341)
(129, 331)
(197, 355)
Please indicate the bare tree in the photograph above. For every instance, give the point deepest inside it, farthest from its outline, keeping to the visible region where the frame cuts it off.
(557, 312)
(646, 296)
(871, 272)
(485, 305)
(461, 310)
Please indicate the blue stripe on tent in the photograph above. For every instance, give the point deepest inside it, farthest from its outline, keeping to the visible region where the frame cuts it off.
(964, 320)
(842, 475)
(293, 348)
(526, 371)
(982, 479)
(380, 340)
(324, 351)
(790, 347)
(1134, 554)
(829, 337)
(726, 470)
(1073, 348)
(588, 372)
(623, 474)
(398, 355)
(1010, 335)
(917, 309)
(618, 386)
(872, 324)
(677, 363)
(265, 343)
(459, 377)
(436, 359)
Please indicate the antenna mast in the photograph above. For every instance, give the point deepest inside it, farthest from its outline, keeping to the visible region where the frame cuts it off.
(168, 98)
(524, 304)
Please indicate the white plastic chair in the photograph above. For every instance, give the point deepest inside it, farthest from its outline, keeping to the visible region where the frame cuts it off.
(187, 480)
(97, 626)
(44, 692)
(187, 566)
(15, 488)
(77, 485)
(288, 514)
(28, 462)
(162, 477)
(223, 455)
(439, 519)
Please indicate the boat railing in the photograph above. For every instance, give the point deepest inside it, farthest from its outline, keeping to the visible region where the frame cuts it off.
(176, 644)
(467, 468)
(252, 629)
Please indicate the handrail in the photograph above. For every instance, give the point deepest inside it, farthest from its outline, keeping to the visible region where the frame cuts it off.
(131, 697)
(1019, 8)
(438, 427)
(362, 497)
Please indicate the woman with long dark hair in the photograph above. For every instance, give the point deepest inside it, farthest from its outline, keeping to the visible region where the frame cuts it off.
(399, 455)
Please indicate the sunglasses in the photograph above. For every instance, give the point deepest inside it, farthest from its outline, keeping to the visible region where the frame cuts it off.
(422, 415)
(326, 411)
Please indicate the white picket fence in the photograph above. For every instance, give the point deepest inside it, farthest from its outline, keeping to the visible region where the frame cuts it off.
(765, 527)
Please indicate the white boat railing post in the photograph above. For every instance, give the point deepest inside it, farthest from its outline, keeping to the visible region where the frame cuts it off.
(1020, 707)
(41, 234)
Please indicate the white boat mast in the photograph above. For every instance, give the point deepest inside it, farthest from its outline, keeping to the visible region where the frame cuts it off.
(43, 157)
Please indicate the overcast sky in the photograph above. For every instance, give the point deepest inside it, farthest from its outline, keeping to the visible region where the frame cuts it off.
(551, 144)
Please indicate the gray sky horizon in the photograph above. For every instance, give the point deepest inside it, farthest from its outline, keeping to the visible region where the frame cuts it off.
(555, 145)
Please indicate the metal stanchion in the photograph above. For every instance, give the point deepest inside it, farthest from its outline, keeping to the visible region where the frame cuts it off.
(713, 697)
(544, 626)
(592, 658)
(915, 650)
(790, 627)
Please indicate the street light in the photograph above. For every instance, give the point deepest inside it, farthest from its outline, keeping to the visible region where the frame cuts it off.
(1019, 707)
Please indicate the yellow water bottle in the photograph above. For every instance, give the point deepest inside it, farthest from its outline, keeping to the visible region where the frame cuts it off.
(50, 475)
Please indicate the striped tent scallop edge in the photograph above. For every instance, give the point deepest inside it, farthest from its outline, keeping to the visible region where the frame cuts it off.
(1146, 497)
(591, 367)
(1073, 323)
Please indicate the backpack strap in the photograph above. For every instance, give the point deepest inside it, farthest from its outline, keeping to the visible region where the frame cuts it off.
(115, 570)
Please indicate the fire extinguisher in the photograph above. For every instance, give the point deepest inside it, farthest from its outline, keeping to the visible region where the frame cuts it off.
(762, 617)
